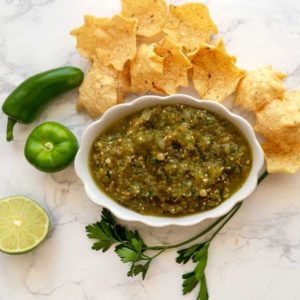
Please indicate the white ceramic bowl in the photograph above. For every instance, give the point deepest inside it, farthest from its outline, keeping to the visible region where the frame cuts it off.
(119, 111)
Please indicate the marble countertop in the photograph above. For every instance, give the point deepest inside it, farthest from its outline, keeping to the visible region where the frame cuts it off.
(255, 257)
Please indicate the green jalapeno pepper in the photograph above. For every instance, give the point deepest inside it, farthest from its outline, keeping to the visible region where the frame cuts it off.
(51, 147)
(28, 99)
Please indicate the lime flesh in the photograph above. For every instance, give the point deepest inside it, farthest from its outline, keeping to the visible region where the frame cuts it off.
(24, 224)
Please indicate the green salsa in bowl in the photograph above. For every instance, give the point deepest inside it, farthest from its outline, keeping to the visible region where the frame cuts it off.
(169, 160)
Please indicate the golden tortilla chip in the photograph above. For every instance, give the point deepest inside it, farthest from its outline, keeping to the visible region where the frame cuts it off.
(123, 83)
(279, 121)
(259, 88)
(118, 43)
(145, 70)
(98, 91)
(86, 36)
(175, 66)
(111, 41)
(189, 25)
(280, 161)
(215, 74)
(150, 15)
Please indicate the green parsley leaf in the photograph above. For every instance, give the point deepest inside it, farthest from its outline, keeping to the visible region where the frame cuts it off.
(199, 254)
(126, 254)
(203, 293)
(199, 270)
(129, 244)
(102, 245)
(137, 244)
(186, 254)
(95, 231)
(107, 232)
(137, 269)
(189, 282)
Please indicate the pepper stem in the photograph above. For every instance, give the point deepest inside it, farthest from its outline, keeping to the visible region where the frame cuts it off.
(9, 129)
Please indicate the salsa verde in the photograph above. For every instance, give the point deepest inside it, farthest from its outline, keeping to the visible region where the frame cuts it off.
(171, 160)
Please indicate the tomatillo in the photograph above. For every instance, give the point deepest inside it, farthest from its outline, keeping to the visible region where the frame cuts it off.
(51, 147)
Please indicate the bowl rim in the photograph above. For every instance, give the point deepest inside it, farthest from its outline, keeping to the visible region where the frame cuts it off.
(93, 130)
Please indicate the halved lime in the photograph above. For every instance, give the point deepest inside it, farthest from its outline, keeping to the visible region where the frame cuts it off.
(24, 224)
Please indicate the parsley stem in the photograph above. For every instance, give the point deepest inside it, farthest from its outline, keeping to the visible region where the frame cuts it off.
(262, 177)
(209, 228)
(159, 253)
(233, 212)
(237, 207)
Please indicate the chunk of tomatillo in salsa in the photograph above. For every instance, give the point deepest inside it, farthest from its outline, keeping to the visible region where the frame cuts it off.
(171, 160)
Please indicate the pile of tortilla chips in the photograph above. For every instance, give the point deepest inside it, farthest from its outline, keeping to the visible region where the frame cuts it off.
(179, 45)
(277, 117)
(156, 48)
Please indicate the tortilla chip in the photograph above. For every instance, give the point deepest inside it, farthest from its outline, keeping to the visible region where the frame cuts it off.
(150, 15)
(86, 36)
(123, 83)
(279, 121)
(189, 25)
(259, 88)
(175, 66)
(215, 74)
(111, 41)
(280, 161)
(145, 70)
(98, 91)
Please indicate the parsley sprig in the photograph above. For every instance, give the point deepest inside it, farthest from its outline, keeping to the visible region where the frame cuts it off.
(132, 249)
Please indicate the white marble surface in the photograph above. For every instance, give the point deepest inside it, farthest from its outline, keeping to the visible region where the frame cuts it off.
(257, 255)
